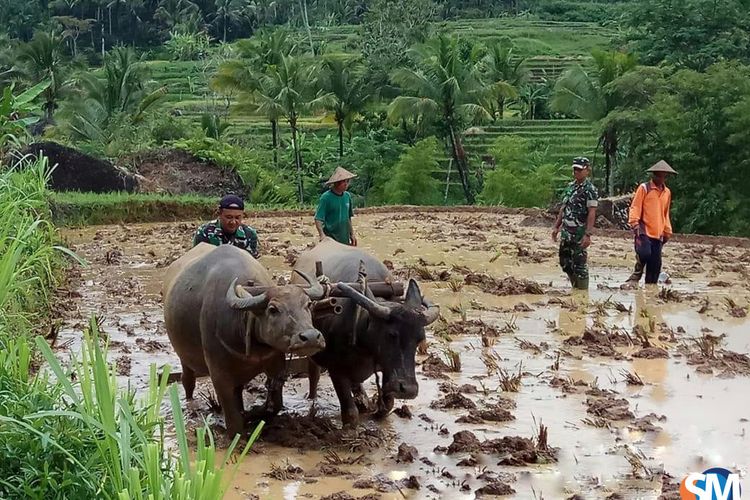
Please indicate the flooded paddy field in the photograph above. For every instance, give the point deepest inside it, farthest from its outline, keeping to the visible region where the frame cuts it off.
(527, 389)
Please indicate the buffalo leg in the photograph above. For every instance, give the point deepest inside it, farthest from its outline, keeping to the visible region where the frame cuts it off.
(360, 398)
(227, 395)
(313, 375)
(385, 405)
(188, 381)
(238, 398)
(343, 387)
(275, 379)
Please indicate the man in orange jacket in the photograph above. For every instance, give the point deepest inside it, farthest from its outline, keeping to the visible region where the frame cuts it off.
(649, 220)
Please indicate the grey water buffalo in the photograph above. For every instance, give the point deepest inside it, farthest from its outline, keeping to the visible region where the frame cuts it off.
(369, 334)
(220, 330)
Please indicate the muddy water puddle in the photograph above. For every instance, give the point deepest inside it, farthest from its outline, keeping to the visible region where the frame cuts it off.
(681, 413)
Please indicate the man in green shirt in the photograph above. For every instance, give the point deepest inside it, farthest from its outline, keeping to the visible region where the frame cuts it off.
(333, 217)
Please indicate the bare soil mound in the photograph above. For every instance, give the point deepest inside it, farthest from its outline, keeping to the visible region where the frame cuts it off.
(176, 172)
(76, 171)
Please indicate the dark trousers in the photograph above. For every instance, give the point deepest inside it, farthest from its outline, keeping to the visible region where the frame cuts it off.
(652, 266)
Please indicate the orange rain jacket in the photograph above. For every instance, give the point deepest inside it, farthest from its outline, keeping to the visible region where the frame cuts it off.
(650, 210)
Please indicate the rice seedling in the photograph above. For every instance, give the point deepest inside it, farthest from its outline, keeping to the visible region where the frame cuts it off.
(333, 458)
(667, 294)
(423, 273)
(508, 382)
(556, 364)
(596, 422)
(456, 285)
(631, 378)
(453, 358)
(510, 325)
(491, 360)
(529, 346)
(707, 345)
(285, 472)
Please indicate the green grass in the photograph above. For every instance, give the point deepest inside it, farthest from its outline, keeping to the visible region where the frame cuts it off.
(76, 209)
(71, 432)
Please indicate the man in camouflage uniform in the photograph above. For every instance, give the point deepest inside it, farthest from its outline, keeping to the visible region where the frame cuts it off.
(228, 229)
(575, 223)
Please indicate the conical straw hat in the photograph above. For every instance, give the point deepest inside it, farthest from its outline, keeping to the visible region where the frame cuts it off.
(662, 166)
(340, 174)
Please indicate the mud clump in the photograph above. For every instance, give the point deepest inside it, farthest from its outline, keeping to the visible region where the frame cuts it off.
(609, 408)
(403, 412)
(464, 442)
(406, 453)
(453, 400)
(505, 286)
(314, 433)
(476, 327)
(519, 451)
(494, 489)
(646, 423)
(381, 483)
(491, 414)
(434, 367)
(651, 353)
(343, 495)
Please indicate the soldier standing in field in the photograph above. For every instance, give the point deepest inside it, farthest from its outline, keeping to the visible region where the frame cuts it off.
(575, 224)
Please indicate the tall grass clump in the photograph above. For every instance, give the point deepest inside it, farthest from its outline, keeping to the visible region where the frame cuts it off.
(71, 432)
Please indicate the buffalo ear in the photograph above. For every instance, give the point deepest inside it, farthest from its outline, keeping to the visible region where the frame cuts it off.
(413, 299)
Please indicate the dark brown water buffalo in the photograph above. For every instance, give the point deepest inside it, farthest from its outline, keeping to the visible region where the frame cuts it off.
(220, 330)
(383, 336)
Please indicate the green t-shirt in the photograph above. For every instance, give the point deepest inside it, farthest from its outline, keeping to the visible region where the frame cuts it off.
(334, 211)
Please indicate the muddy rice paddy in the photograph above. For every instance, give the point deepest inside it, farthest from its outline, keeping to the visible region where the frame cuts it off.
(526, 389)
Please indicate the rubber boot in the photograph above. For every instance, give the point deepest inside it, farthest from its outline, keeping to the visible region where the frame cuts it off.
(572, 280)
(581, 284)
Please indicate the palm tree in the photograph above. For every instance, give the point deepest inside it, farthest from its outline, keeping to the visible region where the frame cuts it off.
(244, 75)
(172, 12)
(289, 90)
(446, 89)
(121, 94)
(577, 93)
(230, 11)
(504, 74)
(42, 59)
(350, 94)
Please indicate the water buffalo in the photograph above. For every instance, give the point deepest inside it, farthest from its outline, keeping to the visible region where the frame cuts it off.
(220, 330)
(382, 337)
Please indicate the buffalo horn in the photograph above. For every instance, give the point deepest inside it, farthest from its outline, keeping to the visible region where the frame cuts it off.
(413, 298)
(363, 301)
(432, 312)
(315, 290)
(247, 301)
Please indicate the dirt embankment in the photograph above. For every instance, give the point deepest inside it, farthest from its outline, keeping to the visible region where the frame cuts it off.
(175, 172)
(77, 171)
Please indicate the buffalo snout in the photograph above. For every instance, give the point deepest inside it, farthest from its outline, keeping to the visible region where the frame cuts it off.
(307, 343)
(401, 388)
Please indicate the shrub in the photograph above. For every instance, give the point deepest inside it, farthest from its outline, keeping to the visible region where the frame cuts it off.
(167, 129)
(251, 164)
(188, 46)
(522, 177)
(411, 179)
